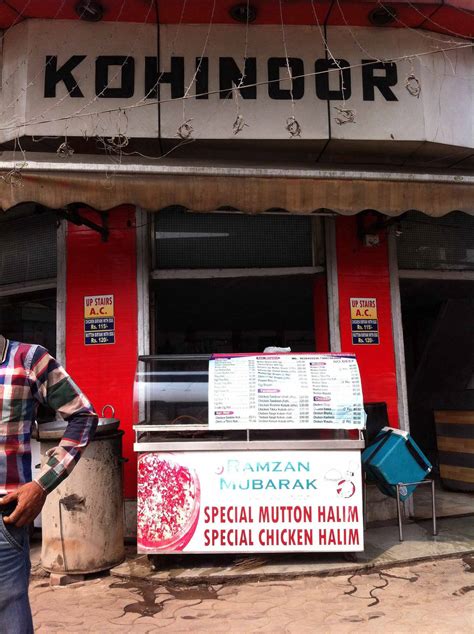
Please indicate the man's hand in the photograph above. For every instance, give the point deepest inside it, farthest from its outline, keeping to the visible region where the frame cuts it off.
(30, 499)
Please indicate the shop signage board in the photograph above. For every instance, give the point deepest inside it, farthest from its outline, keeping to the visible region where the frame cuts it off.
(72, 78)
(99, 320)
(259, 501)
(287, 391)
(364, 321)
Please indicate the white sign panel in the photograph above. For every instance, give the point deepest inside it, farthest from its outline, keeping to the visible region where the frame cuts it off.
(306, 391)
(74, 78)
(262, 501)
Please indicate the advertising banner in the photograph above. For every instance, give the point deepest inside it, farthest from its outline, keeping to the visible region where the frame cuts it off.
(288, 391)
(259, 501)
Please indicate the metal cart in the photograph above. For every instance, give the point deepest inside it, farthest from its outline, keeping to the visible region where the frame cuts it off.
(237, 490)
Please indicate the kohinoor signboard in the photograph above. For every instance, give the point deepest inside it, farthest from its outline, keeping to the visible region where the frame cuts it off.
(67, 78)
(241, 501)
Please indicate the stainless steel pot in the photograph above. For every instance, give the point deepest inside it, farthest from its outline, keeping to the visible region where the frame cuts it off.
(54, 430)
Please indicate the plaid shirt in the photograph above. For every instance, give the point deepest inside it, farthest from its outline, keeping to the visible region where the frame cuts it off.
(29, 376)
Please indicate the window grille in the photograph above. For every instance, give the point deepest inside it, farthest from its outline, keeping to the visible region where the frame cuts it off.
(28, 249)
(436, 243)
(185, 240)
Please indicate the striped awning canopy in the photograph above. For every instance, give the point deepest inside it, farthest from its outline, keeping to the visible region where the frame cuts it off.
(201, 186)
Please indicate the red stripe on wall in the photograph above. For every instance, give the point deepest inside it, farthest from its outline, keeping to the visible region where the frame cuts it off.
(364, 272)
(105, 372)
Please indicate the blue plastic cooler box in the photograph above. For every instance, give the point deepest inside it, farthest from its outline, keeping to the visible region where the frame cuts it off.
(392, 458)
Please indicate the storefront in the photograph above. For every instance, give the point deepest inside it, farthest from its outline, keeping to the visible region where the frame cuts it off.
(202, 206)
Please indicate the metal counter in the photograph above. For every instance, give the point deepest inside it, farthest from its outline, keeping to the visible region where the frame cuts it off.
(153, 438)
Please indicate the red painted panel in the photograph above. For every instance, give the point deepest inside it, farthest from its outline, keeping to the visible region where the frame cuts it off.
(321, 318)
(452, 21)
(44, 8)
(363, 272)
(8, 17)
(199, 12)
(105, 372)
(456, 16)
(347, 12)
(114, 10)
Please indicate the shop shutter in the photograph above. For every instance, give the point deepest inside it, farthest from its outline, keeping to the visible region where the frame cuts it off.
(28, 249)
(444, 243)
(231, 240)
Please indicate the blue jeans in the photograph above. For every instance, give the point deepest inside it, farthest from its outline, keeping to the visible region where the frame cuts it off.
(15, 612)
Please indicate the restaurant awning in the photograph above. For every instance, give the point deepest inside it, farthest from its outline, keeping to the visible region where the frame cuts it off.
(201, 186)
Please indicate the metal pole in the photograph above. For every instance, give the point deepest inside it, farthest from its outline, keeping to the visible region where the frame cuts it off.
(433, 507)
(365, 500)
(399, 515)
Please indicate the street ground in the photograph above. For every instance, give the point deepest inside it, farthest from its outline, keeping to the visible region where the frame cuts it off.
(435, 597)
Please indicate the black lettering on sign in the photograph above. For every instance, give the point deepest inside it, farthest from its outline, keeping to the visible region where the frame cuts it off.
(53, 75)
(154, 78)
(202, 77)
(275, 64)
(126, 71)
(230, 75)
(370, 81)
(323, 90)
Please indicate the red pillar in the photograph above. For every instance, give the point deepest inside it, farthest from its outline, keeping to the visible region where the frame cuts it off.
(105, 372)
(363, 272)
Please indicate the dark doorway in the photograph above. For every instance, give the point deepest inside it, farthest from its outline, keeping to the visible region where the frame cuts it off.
(199, 316)
(438, 322)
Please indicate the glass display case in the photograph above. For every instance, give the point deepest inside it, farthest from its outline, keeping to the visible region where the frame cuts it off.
(203, 489)
(172, 389)
(171, 404)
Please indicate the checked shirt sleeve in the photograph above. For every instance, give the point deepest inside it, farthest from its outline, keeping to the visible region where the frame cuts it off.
(52, 386)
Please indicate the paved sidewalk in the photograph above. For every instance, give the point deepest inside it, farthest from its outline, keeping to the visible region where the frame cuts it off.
(382, 549)
(434, 597)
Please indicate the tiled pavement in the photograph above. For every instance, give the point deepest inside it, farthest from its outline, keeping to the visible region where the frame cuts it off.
(435, 597)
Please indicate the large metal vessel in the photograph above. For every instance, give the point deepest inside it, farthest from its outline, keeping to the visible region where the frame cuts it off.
(83, 517)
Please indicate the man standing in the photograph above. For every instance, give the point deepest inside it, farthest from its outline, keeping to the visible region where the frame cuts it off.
(29, 376)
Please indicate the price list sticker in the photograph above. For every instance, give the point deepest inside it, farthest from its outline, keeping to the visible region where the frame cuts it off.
(364, 321)
(99, 320)
(287, 391)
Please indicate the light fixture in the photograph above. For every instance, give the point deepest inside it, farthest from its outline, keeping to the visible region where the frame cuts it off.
(89, 10)
(383, 15)
(243, 12)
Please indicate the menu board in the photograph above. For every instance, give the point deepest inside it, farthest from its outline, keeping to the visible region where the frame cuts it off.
(285, 391)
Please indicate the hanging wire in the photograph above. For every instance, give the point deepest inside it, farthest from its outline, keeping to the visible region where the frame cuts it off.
(292, 125)
(347, 115)
(198, 67)
(239, 123)
(413, 85)
(185, 130)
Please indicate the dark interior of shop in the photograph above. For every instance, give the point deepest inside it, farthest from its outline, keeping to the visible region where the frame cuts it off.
(30, 318)
(234, 315)
(438, 322)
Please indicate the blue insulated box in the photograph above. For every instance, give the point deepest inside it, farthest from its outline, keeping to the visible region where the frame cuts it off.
(394, 457)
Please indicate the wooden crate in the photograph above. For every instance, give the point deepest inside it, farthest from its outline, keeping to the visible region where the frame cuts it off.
(455, 438)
